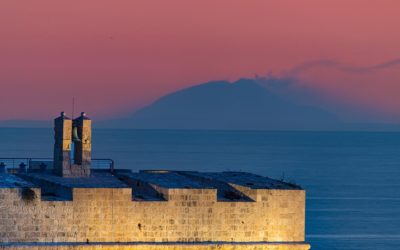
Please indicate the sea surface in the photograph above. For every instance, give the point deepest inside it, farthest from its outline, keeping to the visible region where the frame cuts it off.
(351, 178)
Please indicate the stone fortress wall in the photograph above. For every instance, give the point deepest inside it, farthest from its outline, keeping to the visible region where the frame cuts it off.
(189, 215)
(76, 207)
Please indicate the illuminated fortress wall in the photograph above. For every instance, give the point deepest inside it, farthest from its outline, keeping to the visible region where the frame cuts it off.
(189, 215)
(110, 215)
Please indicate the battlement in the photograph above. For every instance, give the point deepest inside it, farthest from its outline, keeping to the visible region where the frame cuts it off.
(158, 185)
(168, 206)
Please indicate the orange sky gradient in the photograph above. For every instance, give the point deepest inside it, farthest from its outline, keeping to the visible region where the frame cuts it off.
(116, 56)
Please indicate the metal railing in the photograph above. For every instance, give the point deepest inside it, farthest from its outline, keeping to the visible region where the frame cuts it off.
(21, 165)
(103, 164)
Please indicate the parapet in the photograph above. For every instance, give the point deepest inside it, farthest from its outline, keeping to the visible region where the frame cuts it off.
(159, 185)
(222, 186)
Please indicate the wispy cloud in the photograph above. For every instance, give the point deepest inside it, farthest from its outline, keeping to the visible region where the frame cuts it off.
(340, 66)
(335, 86)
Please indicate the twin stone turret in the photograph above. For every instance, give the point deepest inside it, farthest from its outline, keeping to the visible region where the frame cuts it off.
(72, 146)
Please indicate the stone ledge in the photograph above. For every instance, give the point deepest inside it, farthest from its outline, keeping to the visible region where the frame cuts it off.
(159, 246)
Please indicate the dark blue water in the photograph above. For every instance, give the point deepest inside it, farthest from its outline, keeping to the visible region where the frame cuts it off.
(351, 178)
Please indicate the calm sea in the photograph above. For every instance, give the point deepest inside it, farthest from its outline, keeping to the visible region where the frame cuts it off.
(351, 178)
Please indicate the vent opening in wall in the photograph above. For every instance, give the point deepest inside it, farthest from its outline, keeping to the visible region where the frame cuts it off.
(28, 195)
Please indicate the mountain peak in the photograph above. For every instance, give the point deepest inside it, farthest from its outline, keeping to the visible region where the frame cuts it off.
(243, 104)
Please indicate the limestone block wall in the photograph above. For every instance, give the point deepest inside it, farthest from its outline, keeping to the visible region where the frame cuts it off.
(189, 215)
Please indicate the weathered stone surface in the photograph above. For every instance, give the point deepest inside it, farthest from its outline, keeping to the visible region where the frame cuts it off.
(189, 215)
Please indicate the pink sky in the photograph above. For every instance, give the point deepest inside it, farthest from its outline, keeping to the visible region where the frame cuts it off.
(116, 56)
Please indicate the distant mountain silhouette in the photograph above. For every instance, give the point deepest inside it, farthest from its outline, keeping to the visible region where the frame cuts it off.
(248, 104)
(222, 105)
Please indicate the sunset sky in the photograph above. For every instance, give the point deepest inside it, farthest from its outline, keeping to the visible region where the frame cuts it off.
(117, 56)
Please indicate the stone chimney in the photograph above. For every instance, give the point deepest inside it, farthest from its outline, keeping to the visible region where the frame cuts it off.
(72, 146)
